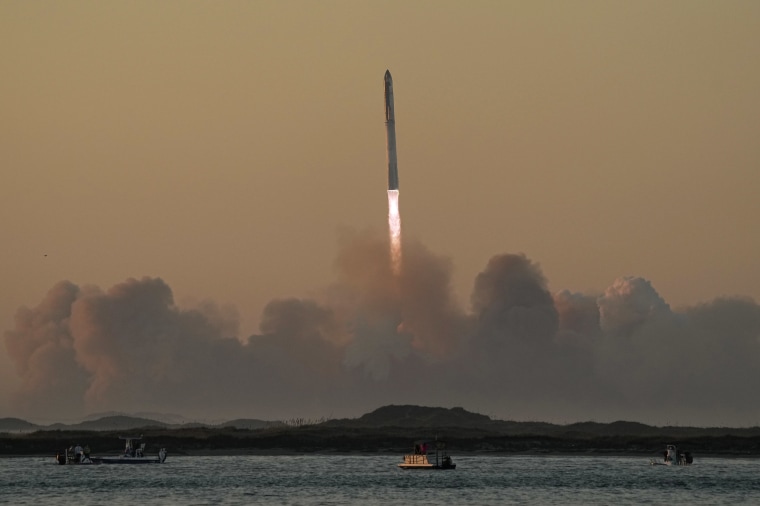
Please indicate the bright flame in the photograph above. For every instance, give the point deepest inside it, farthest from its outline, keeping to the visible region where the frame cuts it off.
(394, 226)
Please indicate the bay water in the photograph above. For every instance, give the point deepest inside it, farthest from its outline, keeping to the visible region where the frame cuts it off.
(376, 480)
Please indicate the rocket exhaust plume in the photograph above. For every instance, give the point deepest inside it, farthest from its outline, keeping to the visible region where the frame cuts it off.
(394, 218)
(394, 226)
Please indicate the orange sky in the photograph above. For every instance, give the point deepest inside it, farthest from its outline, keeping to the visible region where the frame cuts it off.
(222, 146)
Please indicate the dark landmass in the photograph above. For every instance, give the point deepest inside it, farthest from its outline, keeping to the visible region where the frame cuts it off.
(124, 422)
(390, 429)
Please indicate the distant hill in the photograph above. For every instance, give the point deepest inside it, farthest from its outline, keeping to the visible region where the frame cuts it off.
(167, 418)
(107, 423)
(121, 422)
(105, 414)
(391, 416)
(17, 425)
(250, 424)
(417, 416)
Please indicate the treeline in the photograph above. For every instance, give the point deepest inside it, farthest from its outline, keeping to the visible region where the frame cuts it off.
(323, 438)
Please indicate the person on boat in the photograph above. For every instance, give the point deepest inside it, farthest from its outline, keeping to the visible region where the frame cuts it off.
(423, 449)
(86, 451)
(78, 453)
(130, 449)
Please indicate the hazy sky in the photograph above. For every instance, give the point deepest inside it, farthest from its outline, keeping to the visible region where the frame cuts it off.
(178, 176)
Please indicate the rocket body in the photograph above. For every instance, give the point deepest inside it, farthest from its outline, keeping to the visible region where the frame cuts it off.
(390, 133)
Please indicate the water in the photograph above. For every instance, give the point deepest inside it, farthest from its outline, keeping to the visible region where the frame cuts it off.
(370, 480)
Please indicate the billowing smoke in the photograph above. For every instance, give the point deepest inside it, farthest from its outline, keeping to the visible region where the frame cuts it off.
(43, 351)
(629, 303)
(375, 337)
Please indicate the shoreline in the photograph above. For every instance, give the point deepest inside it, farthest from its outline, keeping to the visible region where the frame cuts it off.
(284, 452)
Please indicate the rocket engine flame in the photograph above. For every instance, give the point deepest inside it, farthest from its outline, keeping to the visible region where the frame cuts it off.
(394, 227)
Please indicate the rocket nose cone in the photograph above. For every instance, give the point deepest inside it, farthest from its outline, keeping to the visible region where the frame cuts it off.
(387, 75)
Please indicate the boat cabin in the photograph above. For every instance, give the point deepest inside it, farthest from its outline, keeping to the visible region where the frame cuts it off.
(428, 455)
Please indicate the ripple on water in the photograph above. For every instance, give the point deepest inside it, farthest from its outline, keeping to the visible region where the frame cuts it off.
(376, 480)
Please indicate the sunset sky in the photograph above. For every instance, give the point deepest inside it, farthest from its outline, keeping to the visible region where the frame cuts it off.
(230, 156)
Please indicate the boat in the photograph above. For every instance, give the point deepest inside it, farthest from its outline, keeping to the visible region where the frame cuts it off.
(428, 455)
(74, 455)
(672, 457)
(134, 453)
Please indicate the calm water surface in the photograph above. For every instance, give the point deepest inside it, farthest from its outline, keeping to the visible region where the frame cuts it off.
(319, 479)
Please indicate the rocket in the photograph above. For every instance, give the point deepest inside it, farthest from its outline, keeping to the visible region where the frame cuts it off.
(390, 133)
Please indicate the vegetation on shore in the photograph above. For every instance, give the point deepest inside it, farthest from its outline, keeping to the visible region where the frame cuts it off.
(393, 429)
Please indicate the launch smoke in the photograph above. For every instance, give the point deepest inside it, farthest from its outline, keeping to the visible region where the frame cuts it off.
(372, 339)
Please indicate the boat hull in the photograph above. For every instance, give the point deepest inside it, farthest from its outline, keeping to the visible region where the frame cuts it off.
(126, 460)
(71, 462)
(426, 466)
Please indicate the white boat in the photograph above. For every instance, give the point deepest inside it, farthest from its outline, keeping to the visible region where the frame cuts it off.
(672, 457)
(134, 453)
(428, 455)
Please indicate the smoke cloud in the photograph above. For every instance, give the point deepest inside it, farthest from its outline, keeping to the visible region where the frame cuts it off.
(375, 337)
